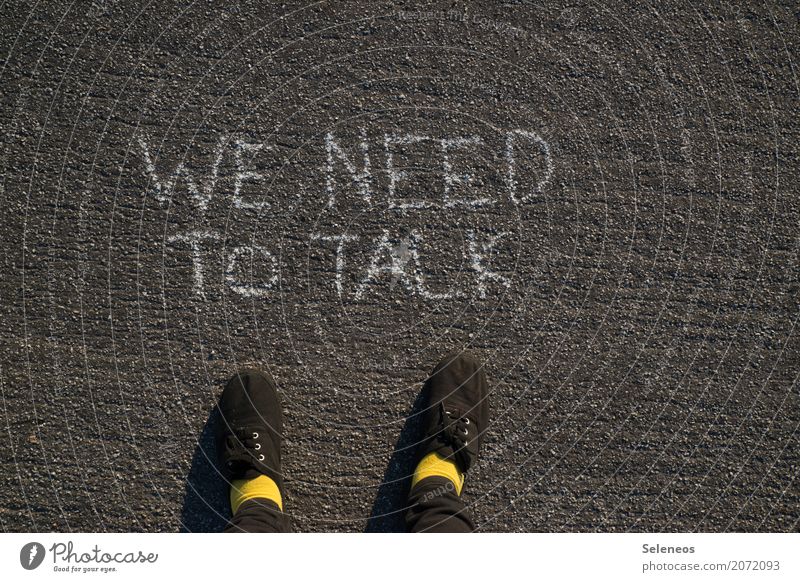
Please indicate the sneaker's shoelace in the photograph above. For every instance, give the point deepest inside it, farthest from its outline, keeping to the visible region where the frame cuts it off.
(246, 443)
(455, 433)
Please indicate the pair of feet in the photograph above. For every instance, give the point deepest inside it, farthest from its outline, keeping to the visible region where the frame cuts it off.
(456, 415)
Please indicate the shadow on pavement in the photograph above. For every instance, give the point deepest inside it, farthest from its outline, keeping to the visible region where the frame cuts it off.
(206, 507)
(390, 501)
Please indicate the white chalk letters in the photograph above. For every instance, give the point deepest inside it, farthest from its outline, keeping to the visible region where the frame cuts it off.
(398, 256)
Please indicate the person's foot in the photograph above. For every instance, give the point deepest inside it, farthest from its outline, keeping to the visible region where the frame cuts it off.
(248, 434)
(457, 413)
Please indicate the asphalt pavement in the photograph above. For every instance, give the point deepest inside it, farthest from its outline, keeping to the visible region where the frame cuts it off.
(599, 200)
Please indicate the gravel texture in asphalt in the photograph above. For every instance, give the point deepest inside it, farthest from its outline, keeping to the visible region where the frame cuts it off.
(600, 201)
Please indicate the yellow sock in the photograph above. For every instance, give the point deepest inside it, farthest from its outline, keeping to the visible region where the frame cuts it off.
(259, 487)
(435, 465)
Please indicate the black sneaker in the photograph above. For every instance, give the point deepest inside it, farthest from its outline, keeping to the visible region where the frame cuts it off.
(457, 412)
(248, 434)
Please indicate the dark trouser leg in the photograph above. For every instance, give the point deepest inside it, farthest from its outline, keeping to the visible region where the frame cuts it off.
(259, 516)
(435, 507)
